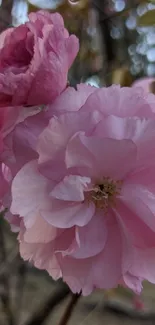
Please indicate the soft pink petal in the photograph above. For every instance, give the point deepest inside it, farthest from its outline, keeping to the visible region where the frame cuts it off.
(42, 257)
(77, 278)
(101, 271)
(99, 155)
(143, 176)
(141, 202)
(138, 130)
(40, 232)
(133, 282)
(54, 65)
(144, 264)
(29, 193)
(56, 136)
(134, 226)
(22, 141)
(109, 260)
(66, 215)
(123, 102)
(92, 237)
(71, 99)
(71, 188)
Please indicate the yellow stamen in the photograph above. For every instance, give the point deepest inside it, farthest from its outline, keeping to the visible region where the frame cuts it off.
(104, 193)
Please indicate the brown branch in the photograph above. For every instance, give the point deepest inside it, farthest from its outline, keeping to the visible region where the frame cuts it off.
(45, 310)
(69, 310)
(122, 310)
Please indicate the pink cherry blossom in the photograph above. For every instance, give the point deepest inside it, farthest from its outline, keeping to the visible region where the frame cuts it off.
(86, 202)
(34, 60)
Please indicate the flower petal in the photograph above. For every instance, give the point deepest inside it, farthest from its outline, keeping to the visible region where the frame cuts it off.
(144, 264)
(92, 237)
(57, 134)
(133, 282)
(66, 215)
(40, 232)
(71, 188)
(134, 226)
(29, 193)
(107, 268)
(141, 202)
(97, 156)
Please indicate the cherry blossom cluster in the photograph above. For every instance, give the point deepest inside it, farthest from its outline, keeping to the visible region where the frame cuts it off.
(77, 166)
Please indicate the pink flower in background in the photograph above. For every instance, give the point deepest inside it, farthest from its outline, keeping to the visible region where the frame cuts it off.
(34, 63)
(87, 200)
(10, 117)
(34, 60)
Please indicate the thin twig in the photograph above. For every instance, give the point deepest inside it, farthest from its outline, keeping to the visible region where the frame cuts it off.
(122, 310)
(69, 310)
(43, 312)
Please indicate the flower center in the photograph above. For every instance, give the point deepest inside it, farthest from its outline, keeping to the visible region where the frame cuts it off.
(104, 194)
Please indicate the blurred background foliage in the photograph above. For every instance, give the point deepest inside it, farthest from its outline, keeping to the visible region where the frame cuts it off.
(117, 45)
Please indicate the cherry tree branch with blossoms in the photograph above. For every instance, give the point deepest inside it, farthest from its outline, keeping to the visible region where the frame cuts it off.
(76, 165)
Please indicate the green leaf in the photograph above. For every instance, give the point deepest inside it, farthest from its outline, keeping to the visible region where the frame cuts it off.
(148, 19)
